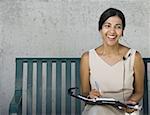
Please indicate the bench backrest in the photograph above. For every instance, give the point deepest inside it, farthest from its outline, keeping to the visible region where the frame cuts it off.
(47, 81)
(59, 75)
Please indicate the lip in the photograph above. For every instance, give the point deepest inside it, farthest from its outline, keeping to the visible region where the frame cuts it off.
(111, 38)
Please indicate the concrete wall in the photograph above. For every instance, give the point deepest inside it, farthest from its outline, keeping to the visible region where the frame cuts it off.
(60, 28)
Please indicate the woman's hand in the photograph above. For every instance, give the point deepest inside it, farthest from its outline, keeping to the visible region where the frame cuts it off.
(129, 110)
(94, 94)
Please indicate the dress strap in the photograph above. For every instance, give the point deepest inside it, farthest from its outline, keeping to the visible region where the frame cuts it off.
(133, 51)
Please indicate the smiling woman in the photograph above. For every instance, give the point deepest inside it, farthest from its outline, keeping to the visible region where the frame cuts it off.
(112, 60)
(112, 30)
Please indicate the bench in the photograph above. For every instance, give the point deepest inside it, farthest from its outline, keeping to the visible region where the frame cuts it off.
(41, 86)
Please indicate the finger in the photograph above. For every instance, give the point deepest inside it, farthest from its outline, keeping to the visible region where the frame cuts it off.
(131, 102)
(130, 110)
(93, 96)
(94, 93)
(97, 94)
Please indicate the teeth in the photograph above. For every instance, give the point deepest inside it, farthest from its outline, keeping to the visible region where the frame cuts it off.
(112, 37)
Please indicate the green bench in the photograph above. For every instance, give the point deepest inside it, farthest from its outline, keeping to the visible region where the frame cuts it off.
(41, 86)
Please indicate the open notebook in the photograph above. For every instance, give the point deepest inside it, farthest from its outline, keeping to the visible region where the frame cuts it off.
(103, 101)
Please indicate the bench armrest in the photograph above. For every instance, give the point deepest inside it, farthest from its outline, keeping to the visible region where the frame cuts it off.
(15, 105)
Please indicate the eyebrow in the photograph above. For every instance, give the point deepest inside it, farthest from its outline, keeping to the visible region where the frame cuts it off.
(110, 23)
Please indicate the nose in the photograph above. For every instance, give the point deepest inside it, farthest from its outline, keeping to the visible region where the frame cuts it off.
(112, 30)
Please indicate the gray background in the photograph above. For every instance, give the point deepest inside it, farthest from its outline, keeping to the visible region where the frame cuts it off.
(61, 28)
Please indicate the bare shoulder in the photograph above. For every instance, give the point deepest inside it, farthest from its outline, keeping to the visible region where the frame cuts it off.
(84, 62)
(138, 56)
(124, 49)
(138, 60)
(85, 56)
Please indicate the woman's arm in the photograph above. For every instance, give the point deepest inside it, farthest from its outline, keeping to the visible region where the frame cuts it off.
(85, 78)
(84, 74)
(138, 79)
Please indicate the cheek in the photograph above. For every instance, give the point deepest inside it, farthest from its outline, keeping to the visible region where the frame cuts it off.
(120, 33)
(103, 32)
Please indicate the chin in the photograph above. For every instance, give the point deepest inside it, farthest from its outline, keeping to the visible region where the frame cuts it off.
(112, 43)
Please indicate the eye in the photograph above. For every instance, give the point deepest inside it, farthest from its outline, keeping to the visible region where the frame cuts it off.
(107, 26)
(118, 26)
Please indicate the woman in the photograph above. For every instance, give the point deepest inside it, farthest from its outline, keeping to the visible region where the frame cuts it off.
(112, 69)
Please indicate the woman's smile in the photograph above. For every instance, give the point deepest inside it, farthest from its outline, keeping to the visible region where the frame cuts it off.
(112, 30)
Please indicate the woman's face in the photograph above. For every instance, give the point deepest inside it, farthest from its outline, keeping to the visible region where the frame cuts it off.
(112, 30)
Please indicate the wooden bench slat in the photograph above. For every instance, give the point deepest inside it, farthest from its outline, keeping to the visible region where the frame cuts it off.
(58, 87)
(145, 99)
(39, 88)
(77, 74)
(68, 85)
(49, 88)
(19, 75)
(29, 87)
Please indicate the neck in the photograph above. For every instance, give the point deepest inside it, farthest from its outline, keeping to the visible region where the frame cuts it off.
(110, 50)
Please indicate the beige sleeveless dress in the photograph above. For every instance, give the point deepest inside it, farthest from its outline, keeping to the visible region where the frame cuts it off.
(115, 81)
